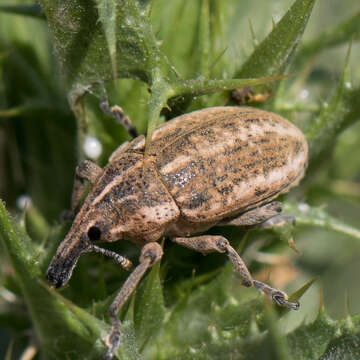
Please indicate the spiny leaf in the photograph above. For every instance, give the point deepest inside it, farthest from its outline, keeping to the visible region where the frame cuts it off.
(273, 54)
(82, 46)
(310, 341)
(107, 16)
(181, 92)
(85, 332)
(198, 87)
(213, 323)
(149, 307)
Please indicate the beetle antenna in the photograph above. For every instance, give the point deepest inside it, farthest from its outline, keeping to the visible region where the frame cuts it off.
(121, 260)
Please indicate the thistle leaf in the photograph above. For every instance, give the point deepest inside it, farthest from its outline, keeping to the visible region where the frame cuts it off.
(275, 52)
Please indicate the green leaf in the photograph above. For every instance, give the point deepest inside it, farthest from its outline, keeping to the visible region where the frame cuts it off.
(274, 53)
(214, 322)
(200, 86)
(107, 16)
(83, 48)
(128, 349)
(149, 307)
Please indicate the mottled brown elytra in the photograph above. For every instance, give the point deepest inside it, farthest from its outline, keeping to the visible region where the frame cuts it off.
(216, 166)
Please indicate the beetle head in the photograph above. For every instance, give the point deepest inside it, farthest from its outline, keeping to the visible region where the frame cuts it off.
(85, 230)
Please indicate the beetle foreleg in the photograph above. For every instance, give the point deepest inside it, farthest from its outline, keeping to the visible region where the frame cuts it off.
(150, 254)
(211, 243)
(86, 170)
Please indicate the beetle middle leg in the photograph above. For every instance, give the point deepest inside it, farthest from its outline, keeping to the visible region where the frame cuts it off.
(118, 114)
(150, 254)
(263, 217)
(211, 243)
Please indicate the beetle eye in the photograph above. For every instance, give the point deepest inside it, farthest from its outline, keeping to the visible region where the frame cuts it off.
(94, 233)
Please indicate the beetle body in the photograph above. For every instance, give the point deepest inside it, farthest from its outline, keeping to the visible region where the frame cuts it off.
(203, 167)
(219, 162)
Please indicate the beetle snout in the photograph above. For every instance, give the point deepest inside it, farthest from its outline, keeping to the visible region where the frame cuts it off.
(56, 278)
(64, 261)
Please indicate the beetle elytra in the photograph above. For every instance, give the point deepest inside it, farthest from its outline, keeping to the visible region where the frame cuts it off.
(216, 166)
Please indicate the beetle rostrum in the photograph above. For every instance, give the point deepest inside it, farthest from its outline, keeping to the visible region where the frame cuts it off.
(217, 166)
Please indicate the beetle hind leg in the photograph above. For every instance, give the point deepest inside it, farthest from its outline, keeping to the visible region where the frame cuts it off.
(211, 243)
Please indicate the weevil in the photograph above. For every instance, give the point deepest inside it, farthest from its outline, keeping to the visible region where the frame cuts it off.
(216, 166)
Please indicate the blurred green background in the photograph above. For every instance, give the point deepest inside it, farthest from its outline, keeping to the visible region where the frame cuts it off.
(39, 146)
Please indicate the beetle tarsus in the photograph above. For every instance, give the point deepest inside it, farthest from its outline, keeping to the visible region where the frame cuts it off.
(113, 339)
(277, 296)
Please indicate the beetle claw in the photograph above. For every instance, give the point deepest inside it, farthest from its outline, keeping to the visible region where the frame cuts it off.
(280, 298)
(113, 339)
(277, 296)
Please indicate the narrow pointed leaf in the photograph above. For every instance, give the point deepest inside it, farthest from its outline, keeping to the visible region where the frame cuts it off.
(107, 16)
(274, 53)
(149, 307)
